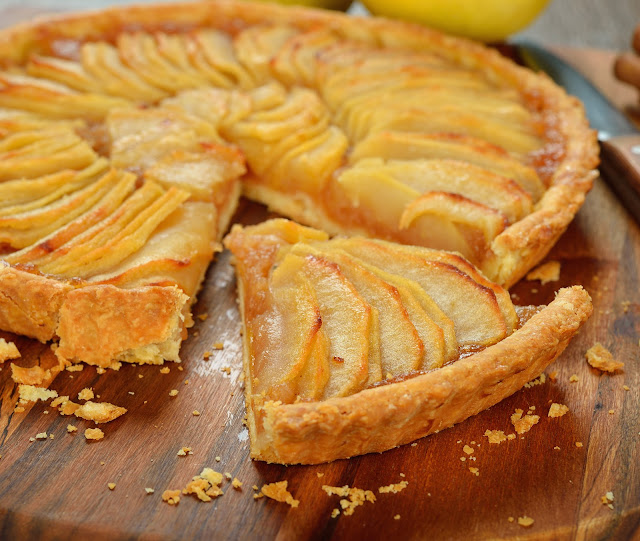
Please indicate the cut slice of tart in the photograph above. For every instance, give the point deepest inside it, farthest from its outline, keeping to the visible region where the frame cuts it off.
(307, 301)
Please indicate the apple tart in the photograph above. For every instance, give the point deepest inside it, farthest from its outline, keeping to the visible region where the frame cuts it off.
(354, 345)
(127, 135)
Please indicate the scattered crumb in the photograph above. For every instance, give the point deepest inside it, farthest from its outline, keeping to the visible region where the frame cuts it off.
(205, 486)
(184, 451)
(334, 513)
(180, 368)
(131, 393)
(468, 450)
(165, 370)
(547, 272)
(172, 497)
(578, 444)
(320, 474)
(203, 317)
(18, 409)
(511, 519)
(258, 496)
(227, 475)
(218, 346)
(600, 357)
(29, 393)
(495, 436)
(173, 392)
(51, 436)
(86, 394)
(255, 487)
(99, 412)
(93, 434)
(625, 306)
(206, 355)
(100, 370)
(607, 499)
(75, 368)
(195, 413)
(396, 517)
(463, 458)
(356, 497)
(149, 490)
(140, 376)
(217, 459)
(611, 412)
(32, 439)
(574, 378)
(8, 350)
(236, 483)
(556, 448)
(558, 410)
(474, 471)
(394, 488)
(278, 491)
(626, 387)
(111, 486)
(511, 436)
(525, 521)
(226, 370)
(553, 375)
(41, 436)
(523, 424)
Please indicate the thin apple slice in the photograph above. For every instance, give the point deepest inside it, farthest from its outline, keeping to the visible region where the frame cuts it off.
(455, 176)
(401, 347)
(392, 145)
(472, 307)
(436, 330)
(502, 295)
(346, 318)
(285, 336)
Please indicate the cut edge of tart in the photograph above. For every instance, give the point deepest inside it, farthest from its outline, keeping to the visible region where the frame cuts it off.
(294, 417)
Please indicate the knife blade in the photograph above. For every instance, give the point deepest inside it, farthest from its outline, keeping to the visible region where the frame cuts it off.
(619, 138)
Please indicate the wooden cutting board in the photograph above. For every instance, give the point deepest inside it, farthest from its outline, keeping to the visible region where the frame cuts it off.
(57, 488)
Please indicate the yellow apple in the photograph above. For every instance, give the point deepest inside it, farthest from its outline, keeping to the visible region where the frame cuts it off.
(487, 20)
(340, 5)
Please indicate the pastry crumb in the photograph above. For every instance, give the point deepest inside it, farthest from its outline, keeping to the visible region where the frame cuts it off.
(393, 488)
(236, 483)
(474, 471)
(218, 345)
(511, 519)
(205, 486)
(41, 436)
(75, 368)
(396, 517)
(626, 387)
(541, 379)
(558, 410)
(525, 521)
(195, 413)
(165, 370)
(226, 370)
(574, 378)
(149, 490)
(601, 358)
(99, 412)
(71, 428)
(184, 451)
(352, 497)
(173, 392)
(547, 272)
(320, 474)
(335, 513)
(86, 394)
(278, 491)
(203, 317)
(8, 350)
(611, 412)
(495, 436)
(30, 393)
(578, 444)
(111, 486)
(93, 434)
(607, 499)
(172, 497)
(523, 424)
(468, 450)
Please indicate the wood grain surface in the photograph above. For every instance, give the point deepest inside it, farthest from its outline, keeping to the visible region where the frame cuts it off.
(57, 488)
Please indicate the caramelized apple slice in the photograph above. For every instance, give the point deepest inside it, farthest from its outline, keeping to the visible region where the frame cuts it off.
(284, 337)
(436, 330)
(454, 176)
(472, 307)
(401, 347)
(390, 145)
(346, 319)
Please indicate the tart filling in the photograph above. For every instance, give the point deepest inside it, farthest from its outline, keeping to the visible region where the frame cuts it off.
(358, 345)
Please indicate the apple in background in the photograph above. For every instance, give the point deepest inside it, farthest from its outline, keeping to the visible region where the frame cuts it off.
(487, 20)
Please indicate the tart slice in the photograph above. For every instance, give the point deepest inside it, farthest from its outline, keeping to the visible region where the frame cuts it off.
(343, 357)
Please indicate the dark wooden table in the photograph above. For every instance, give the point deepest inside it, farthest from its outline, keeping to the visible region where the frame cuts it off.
(57, 488)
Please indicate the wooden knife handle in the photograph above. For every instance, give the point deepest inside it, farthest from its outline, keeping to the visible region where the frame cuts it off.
(621, 155)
